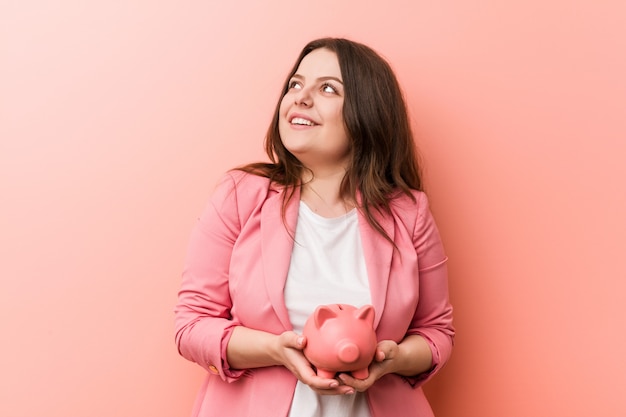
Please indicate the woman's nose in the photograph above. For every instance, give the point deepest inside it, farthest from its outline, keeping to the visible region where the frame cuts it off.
(303, 97)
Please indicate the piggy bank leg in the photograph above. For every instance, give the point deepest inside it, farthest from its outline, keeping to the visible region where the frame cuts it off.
(360, 373)
(324, 373)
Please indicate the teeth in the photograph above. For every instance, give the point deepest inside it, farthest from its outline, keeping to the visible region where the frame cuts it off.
(301, 121)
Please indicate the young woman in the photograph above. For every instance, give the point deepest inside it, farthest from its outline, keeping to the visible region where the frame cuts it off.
(337, 216)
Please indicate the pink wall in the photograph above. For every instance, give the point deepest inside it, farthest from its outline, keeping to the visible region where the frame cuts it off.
(117, 117)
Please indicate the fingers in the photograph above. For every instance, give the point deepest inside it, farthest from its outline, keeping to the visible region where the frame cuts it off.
(340, 390)
(355, 384)
(324, 385)
(293, 340)
(296, 362)
(321, 385)
(386, 349)
(334, 388)
(301, 342)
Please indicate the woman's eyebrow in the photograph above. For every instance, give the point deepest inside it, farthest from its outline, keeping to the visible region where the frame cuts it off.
(330, 78)
(325, 78)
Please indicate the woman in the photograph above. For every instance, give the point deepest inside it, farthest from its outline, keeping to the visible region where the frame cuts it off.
(337, 216)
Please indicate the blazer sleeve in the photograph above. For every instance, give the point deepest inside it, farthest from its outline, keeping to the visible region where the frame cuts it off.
(433, 316)
(203, 322)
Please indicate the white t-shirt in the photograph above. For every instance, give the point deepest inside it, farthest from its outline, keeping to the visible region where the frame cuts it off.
(327, 267)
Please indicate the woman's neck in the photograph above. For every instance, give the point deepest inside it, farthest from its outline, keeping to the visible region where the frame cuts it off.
(322, 194)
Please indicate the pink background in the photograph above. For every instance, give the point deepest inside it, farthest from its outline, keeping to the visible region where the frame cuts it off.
(117, 117)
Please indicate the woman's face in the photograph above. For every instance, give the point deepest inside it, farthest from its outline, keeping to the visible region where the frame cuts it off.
(311, 122)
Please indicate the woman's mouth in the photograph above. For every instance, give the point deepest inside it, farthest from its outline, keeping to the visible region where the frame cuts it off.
(300, 121)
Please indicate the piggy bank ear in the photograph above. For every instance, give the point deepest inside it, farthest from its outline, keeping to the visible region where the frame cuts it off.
(365, 313)
(323, 313)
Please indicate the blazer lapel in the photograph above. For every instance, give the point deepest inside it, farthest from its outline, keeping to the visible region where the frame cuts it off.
(276, 246)
(378, 253)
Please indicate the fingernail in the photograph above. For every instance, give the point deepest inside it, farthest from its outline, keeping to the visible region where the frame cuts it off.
(300, 340)
(334, 384)
(350, 392)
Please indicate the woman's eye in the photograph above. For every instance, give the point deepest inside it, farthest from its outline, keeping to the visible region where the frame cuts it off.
(294, 84)
(327, 88)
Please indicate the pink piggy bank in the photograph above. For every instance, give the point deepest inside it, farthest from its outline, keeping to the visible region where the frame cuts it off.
(340, 338)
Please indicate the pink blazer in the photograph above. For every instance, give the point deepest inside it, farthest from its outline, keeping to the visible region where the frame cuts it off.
(235, 274)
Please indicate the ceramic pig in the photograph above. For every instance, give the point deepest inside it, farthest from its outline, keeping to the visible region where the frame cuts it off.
(340, 338)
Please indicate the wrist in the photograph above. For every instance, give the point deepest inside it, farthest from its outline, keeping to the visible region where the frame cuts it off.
(414, 356)
(272, 346)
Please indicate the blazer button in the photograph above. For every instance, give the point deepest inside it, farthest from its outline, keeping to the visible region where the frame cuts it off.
(213, 369)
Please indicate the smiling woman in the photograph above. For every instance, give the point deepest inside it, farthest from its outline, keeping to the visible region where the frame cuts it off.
(336, 217)
(311, 118)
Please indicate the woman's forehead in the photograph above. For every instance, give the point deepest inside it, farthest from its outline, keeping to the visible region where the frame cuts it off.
(319, 63)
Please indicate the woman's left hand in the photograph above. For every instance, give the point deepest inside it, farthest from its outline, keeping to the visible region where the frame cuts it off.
(386, 352)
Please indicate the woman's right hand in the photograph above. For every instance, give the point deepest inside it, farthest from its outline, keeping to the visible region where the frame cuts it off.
(288, 352)
(249, 348)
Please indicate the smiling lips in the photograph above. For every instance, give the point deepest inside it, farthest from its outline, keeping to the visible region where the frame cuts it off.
(301, 121)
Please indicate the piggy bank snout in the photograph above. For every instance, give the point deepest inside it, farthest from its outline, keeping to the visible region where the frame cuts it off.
(340, 338)
(347, 351)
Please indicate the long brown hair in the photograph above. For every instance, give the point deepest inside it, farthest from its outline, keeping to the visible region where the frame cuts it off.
(384, 158)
